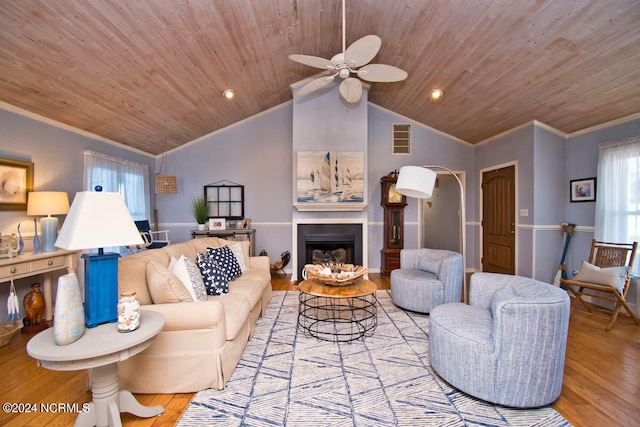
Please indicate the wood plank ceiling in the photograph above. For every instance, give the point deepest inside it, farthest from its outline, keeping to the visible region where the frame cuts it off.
(150, 73)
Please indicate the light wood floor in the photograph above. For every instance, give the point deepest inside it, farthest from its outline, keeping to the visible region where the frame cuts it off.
(601, 382)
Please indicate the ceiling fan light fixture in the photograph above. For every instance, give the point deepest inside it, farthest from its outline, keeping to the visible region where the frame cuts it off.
(229, 93)
(354, 59)
(437, 94)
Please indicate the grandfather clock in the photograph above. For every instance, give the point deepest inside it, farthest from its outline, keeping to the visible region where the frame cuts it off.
(393, 204)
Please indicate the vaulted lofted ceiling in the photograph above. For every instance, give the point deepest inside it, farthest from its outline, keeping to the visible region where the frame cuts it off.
(150, 73)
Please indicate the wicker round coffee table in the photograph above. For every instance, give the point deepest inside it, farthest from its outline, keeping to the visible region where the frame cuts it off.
(337, 313)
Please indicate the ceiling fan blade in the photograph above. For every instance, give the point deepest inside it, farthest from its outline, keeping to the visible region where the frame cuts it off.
(362, 51)
(315, 85)
(313, 61)
(381, 73)
(351, 89)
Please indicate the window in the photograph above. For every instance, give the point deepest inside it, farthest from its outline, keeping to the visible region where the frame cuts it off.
(618, 199)
(401, 138)
(130, 179)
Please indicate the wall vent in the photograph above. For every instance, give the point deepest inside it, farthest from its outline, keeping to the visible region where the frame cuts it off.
(401, 138)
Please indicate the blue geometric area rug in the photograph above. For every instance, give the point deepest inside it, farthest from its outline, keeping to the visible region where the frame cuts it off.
(288, 379)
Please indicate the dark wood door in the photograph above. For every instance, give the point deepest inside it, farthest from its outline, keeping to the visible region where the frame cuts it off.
(499, 221)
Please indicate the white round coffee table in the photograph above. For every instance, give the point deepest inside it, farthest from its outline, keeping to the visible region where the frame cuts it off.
(99, 349)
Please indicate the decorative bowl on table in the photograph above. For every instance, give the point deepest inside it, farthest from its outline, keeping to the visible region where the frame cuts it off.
(336, 274)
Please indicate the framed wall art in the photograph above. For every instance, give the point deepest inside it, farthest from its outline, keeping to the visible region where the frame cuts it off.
(583, 190)
(16, 180)
(330, 177)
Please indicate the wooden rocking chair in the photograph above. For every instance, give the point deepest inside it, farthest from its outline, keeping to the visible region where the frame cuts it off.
(605, 255)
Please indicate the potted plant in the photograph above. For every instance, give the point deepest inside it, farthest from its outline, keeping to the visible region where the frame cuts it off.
(200, 210)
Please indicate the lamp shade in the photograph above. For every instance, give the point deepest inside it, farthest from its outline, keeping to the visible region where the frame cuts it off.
(416, 181)
(97, 220)
(40, 203)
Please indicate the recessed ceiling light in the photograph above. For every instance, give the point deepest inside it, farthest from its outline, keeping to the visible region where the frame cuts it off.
(437, 94)
(229, 93)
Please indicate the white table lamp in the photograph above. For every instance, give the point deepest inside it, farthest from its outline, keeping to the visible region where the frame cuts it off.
(99, 220)
(40, 203)
(418, 182)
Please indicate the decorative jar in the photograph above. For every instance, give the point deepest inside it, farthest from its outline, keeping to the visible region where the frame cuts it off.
(128, 312)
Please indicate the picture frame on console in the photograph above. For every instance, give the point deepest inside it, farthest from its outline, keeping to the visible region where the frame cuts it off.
(583, 190)
(217, 224)
(16, 181)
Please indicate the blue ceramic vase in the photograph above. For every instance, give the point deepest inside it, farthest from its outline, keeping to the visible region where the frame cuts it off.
(36, 239)
(20, 242)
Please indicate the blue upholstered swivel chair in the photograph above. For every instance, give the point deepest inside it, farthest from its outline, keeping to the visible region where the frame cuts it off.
(508, 345)
(426, 278)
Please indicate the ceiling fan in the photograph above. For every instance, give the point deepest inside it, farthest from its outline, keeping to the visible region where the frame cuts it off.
(350, 61)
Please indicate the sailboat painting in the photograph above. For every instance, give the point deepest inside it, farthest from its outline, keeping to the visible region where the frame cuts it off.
(330, 177)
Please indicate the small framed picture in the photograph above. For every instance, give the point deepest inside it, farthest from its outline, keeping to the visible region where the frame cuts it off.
(583, 190)
(217, 224)
(16, 180)
(245, 223)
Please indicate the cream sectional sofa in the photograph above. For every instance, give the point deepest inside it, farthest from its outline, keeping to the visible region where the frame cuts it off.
(202, 342)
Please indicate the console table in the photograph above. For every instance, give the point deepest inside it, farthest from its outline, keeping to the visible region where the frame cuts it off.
(27, 265)
(239, 234)
(100, 349)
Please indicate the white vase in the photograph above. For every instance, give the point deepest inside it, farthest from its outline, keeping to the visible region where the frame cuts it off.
(68, 314)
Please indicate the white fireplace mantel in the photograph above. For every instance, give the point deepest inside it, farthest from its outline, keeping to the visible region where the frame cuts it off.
(330, 207)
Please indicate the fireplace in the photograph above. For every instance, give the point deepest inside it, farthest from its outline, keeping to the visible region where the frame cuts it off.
(320, 243)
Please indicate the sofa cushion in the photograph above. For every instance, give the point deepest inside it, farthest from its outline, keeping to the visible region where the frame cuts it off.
(189, 273)
(188, 249)
(236, 313)
(610, 276)
(251, 289)
(132, 271)
(215, 280)
(201, 244)
(226, 260)
(164, 286)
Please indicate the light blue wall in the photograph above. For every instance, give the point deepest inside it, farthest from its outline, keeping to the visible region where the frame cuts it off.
(549, 202)
(255, 153)
(58, 166)
(517, 148)
(429, 147)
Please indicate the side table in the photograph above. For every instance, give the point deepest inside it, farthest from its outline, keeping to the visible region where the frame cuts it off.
(99, 349)
(337, 313)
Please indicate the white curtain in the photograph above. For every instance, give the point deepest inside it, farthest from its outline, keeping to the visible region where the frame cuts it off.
(128, 178)
(618, 193)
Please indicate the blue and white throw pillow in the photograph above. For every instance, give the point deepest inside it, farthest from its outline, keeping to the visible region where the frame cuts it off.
(226, 260)
(189, 273)
(215, 280)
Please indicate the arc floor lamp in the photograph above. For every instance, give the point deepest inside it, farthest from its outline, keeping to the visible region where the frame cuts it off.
(418, 182)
